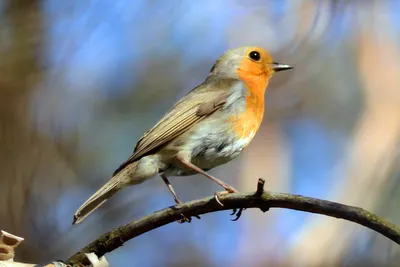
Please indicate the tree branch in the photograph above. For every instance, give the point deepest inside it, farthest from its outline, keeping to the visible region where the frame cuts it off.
(260, 199)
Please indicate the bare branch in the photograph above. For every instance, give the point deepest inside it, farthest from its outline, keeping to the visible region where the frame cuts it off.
(263, 200)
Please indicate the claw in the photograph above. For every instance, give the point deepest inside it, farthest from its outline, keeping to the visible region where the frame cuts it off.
(233, 212)
(184, 219)
(216, 196)
(187, 219)
(238, 214)
(231, 190)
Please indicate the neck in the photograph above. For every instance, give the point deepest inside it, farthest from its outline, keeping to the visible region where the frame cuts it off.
(248, 122)
(255, 85)
(255, 98)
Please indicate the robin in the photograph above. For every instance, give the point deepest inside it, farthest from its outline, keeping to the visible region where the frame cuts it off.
(208, 127)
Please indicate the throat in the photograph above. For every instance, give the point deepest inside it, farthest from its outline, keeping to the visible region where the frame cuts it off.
(248, 122)
(255, 84)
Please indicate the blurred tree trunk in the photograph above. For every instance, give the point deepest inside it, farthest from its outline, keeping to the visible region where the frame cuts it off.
(372, 151)
(32, 170)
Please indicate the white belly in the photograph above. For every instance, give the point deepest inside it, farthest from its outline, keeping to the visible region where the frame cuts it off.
(210, 148)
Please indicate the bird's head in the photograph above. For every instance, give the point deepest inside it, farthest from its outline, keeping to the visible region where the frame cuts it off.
(247, 63)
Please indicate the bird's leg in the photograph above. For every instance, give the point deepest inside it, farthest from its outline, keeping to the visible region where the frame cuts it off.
(177, 199)
(227, 187)
(171, 189)
(217, 195)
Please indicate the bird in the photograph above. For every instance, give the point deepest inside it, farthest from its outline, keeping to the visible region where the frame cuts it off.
(208, 127)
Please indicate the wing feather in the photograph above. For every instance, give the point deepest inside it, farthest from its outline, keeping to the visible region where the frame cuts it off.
(192, 108)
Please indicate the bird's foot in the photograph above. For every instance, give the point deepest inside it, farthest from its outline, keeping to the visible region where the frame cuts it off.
(237, 213)
(178, 201)
(229, 190)
(184, 218)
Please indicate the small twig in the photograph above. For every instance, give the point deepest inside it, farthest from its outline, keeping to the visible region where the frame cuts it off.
(260, 187)
(258, 193)
(260, 199)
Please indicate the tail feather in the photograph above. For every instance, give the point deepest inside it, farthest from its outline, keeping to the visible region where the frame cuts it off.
(116, 183)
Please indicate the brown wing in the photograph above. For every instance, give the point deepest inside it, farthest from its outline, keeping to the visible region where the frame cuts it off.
(193, 107)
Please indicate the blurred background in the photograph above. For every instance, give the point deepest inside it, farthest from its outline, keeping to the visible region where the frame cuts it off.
(80, 81)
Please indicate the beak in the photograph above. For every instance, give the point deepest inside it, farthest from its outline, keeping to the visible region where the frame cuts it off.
(280, 67)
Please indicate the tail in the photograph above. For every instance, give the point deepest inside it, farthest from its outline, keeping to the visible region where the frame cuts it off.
(116, 183)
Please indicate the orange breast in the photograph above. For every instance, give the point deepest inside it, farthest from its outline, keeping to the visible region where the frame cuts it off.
(247, 123)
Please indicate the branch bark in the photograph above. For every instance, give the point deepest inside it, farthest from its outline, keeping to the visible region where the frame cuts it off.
(261, 199)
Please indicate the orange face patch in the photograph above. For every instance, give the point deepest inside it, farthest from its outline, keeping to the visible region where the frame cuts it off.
(255, 75)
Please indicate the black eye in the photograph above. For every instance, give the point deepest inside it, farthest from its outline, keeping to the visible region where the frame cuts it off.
(255, 55)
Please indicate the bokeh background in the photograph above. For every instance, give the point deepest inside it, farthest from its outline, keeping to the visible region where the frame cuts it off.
(80, 81)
